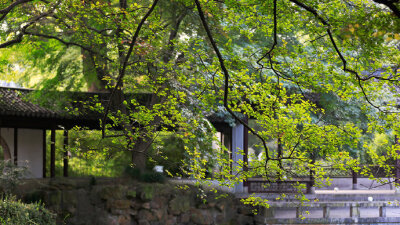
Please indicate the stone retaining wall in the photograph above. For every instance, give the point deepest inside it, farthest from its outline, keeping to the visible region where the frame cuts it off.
(124, 202)
(79, 201)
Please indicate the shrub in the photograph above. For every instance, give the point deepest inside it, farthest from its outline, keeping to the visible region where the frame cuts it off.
(13, 212)
(146, 176)
(132, 172)
(10, 175)
(152, 177)
(169, 153)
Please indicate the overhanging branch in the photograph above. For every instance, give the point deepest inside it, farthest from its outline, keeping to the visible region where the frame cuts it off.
(4, 12)
(126, 59)
(344, 62)
(226, 76)
(32, 21)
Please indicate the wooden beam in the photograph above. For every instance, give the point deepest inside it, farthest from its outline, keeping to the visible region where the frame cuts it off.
(53, 153)
(44, 149)
(16, 146)
(66, 153)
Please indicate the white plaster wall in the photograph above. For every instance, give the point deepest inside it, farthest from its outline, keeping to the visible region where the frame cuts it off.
(30, 150)
(237, 145)
(216, 144)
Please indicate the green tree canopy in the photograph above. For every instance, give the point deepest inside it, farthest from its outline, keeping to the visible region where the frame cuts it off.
(315, 75)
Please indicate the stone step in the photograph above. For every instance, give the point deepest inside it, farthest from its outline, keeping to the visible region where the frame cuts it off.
(375, 221)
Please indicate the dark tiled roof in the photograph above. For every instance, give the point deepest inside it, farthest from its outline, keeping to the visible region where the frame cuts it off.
(19, 102)
(56, 106)
(12, 103)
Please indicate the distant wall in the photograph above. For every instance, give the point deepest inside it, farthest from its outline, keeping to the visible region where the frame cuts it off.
(30, 150)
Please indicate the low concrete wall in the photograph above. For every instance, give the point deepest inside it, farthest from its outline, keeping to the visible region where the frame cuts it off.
(330, 213)
(362, 184)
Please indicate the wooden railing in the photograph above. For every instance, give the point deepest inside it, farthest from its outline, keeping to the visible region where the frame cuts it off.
(263, 186)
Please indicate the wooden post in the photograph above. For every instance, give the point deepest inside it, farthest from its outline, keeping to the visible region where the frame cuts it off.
(44, 153)
(382, 211)
(354, 179)
(397, 172)
(326, 211)
(298, 212)
(223, 143)
(310, 186)
(66, 153)
(354, 210)
(53, 153)
(226, 142)
(246, 148)
(16, 146)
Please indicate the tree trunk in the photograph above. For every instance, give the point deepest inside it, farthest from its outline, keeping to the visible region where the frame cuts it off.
(139, 154)
(94, 70)
(93, 74)
(140, 148)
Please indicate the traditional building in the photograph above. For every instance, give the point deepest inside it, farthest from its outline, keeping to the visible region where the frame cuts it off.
(24, 124)
(23, 127)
